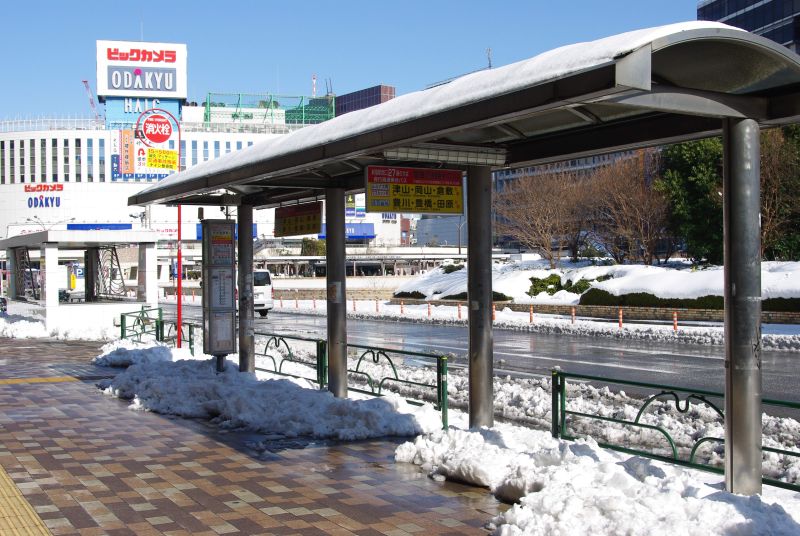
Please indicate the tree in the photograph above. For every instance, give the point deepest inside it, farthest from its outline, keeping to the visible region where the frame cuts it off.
(692, 184)
(312, 247)
(780, 197)
(536, 211)
(633, 217)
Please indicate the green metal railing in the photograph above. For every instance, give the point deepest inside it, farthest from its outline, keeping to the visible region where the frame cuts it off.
(276, 342)
(375, 385)
(683, 404)
(365, 381)
(146, 321)
(150, 321)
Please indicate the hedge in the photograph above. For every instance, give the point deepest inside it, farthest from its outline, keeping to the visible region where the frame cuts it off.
(596, 296)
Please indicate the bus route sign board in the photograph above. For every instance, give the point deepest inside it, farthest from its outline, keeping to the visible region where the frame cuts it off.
(414, 190)
(219, 288)
(298, 219)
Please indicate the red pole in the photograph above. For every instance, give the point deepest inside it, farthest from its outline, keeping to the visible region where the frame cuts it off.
(179, 275)
(354, 304)
(401, 307)
(530, 315)
(494, 312)
(377, 310)
(314, 301)
(620, 318)
(296, 305)
(675, 321)
(281, 298)
(573, 315)
(429, 309)
(459, 310)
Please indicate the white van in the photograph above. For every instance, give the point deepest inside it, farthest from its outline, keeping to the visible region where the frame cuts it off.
(262, 291)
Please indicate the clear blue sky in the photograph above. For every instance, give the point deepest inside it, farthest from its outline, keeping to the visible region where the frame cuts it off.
(275, 47)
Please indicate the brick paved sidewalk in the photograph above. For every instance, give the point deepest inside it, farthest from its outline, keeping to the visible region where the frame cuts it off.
(89, 465)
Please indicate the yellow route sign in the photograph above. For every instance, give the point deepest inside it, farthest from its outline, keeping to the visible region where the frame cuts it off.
(162, 158)
(414, 190)
(298, 219)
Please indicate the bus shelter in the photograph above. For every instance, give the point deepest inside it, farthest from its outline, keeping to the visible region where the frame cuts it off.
(638, 89)
(104, 296)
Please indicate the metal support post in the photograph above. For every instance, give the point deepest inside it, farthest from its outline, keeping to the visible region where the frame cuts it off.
(337, 292)
(247, 345)
(742, 241)
(91, 263)
(479, 290)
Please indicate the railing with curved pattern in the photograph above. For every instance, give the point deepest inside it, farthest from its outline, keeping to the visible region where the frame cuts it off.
(564, 421)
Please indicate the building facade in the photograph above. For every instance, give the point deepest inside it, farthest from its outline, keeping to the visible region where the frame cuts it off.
(79, 173)
(778, 20)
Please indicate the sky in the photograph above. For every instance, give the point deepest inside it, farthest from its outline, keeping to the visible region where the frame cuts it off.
(276, 47)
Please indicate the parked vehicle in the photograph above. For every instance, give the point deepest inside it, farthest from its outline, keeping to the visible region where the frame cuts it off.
(262, 291)
(3, 305)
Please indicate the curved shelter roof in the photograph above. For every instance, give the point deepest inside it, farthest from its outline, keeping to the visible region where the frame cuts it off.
(637, 89)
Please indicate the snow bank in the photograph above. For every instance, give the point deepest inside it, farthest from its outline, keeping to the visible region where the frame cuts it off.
(578, 488)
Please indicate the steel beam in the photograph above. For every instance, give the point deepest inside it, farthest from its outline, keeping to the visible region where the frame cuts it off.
(337, 292)
(479, 291)
(742, 240)
(247, 345)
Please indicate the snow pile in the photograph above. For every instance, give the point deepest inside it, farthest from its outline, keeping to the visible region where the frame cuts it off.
(24, 327)
(778, 280)
(579, 488)
(192, 388)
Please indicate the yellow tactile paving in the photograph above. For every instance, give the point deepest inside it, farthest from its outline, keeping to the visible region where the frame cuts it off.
(50, 379)
(17, 517)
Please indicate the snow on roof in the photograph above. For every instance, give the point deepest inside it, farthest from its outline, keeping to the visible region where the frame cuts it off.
(467, 89)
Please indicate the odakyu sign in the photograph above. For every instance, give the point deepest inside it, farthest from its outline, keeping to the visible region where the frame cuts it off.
(43, 195)
(137, 69)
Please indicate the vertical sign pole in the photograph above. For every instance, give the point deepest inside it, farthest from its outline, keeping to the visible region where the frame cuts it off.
(179, 277)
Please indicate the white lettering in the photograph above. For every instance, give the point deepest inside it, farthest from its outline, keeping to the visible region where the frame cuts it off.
(116, 79)
(127, 79)
(169, 81)
(137, 82)
(128, 106)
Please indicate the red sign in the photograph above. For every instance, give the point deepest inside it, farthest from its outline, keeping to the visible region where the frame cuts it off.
(141, 54)
(157, 128)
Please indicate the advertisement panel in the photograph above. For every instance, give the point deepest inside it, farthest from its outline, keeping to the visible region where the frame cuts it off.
(298, 219)
(139, 69)
(414, 190)
(130, 159)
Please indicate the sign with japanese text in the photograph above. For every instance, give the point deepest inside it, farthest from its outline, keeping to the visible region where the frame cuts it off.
(157, 128)
(139, 69)
(162, 158)
(298, 219)
(414, 190)
(219, 287)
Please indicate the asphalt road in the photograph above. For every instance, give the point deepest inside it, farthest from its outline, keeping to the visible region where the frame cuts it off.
(523, 353)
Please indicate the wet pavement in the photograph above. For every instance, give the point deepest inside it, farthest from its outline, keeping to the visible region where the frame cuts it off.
(89, 465)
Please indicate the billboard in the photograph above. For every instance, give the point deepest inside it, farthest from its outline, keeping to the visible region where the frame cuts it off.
(132, 159)
(414, 190)
(139, 69)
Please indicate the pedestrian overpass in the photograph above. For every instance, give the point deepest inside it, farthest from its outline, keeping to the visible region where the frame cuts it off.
(638, 89)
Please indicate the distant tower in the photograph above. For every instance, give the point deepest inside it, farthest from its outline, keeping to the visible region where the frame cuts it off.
(314, 85)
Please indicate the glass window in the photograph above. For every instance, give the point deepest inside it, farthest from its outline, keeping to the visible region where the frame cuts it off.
(182, 163)
(78, 155)
(13, 166)
(43, 159)
(205, 151)
(216, 149)
(66, 160)
(21, 160)
(238, 146)
(32, 153)
(90, 159)
(2, 162)
(227, 147)
(54, 158)
(194, 152)
(102, 161)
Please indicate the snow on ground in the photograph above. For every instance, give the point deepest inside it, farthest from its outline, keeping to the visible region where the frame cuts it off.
(778, 280)
(559, 487)
(33, 327)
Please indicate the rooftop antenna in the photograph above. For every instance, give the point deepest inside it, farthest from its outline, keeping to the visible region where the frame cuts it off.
(329, 86)
(314, 85)
(489, 56)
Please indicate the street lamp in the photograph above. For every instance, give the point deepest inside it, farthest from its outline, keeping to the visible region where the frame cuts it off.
(46, 226)
(461, 222)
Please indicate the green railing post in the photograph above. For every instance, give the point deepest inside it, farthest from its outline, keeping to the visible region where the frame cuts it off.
(322, 363)
(122, 326)
(191, 339)
(441, 365)
(555, 397)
